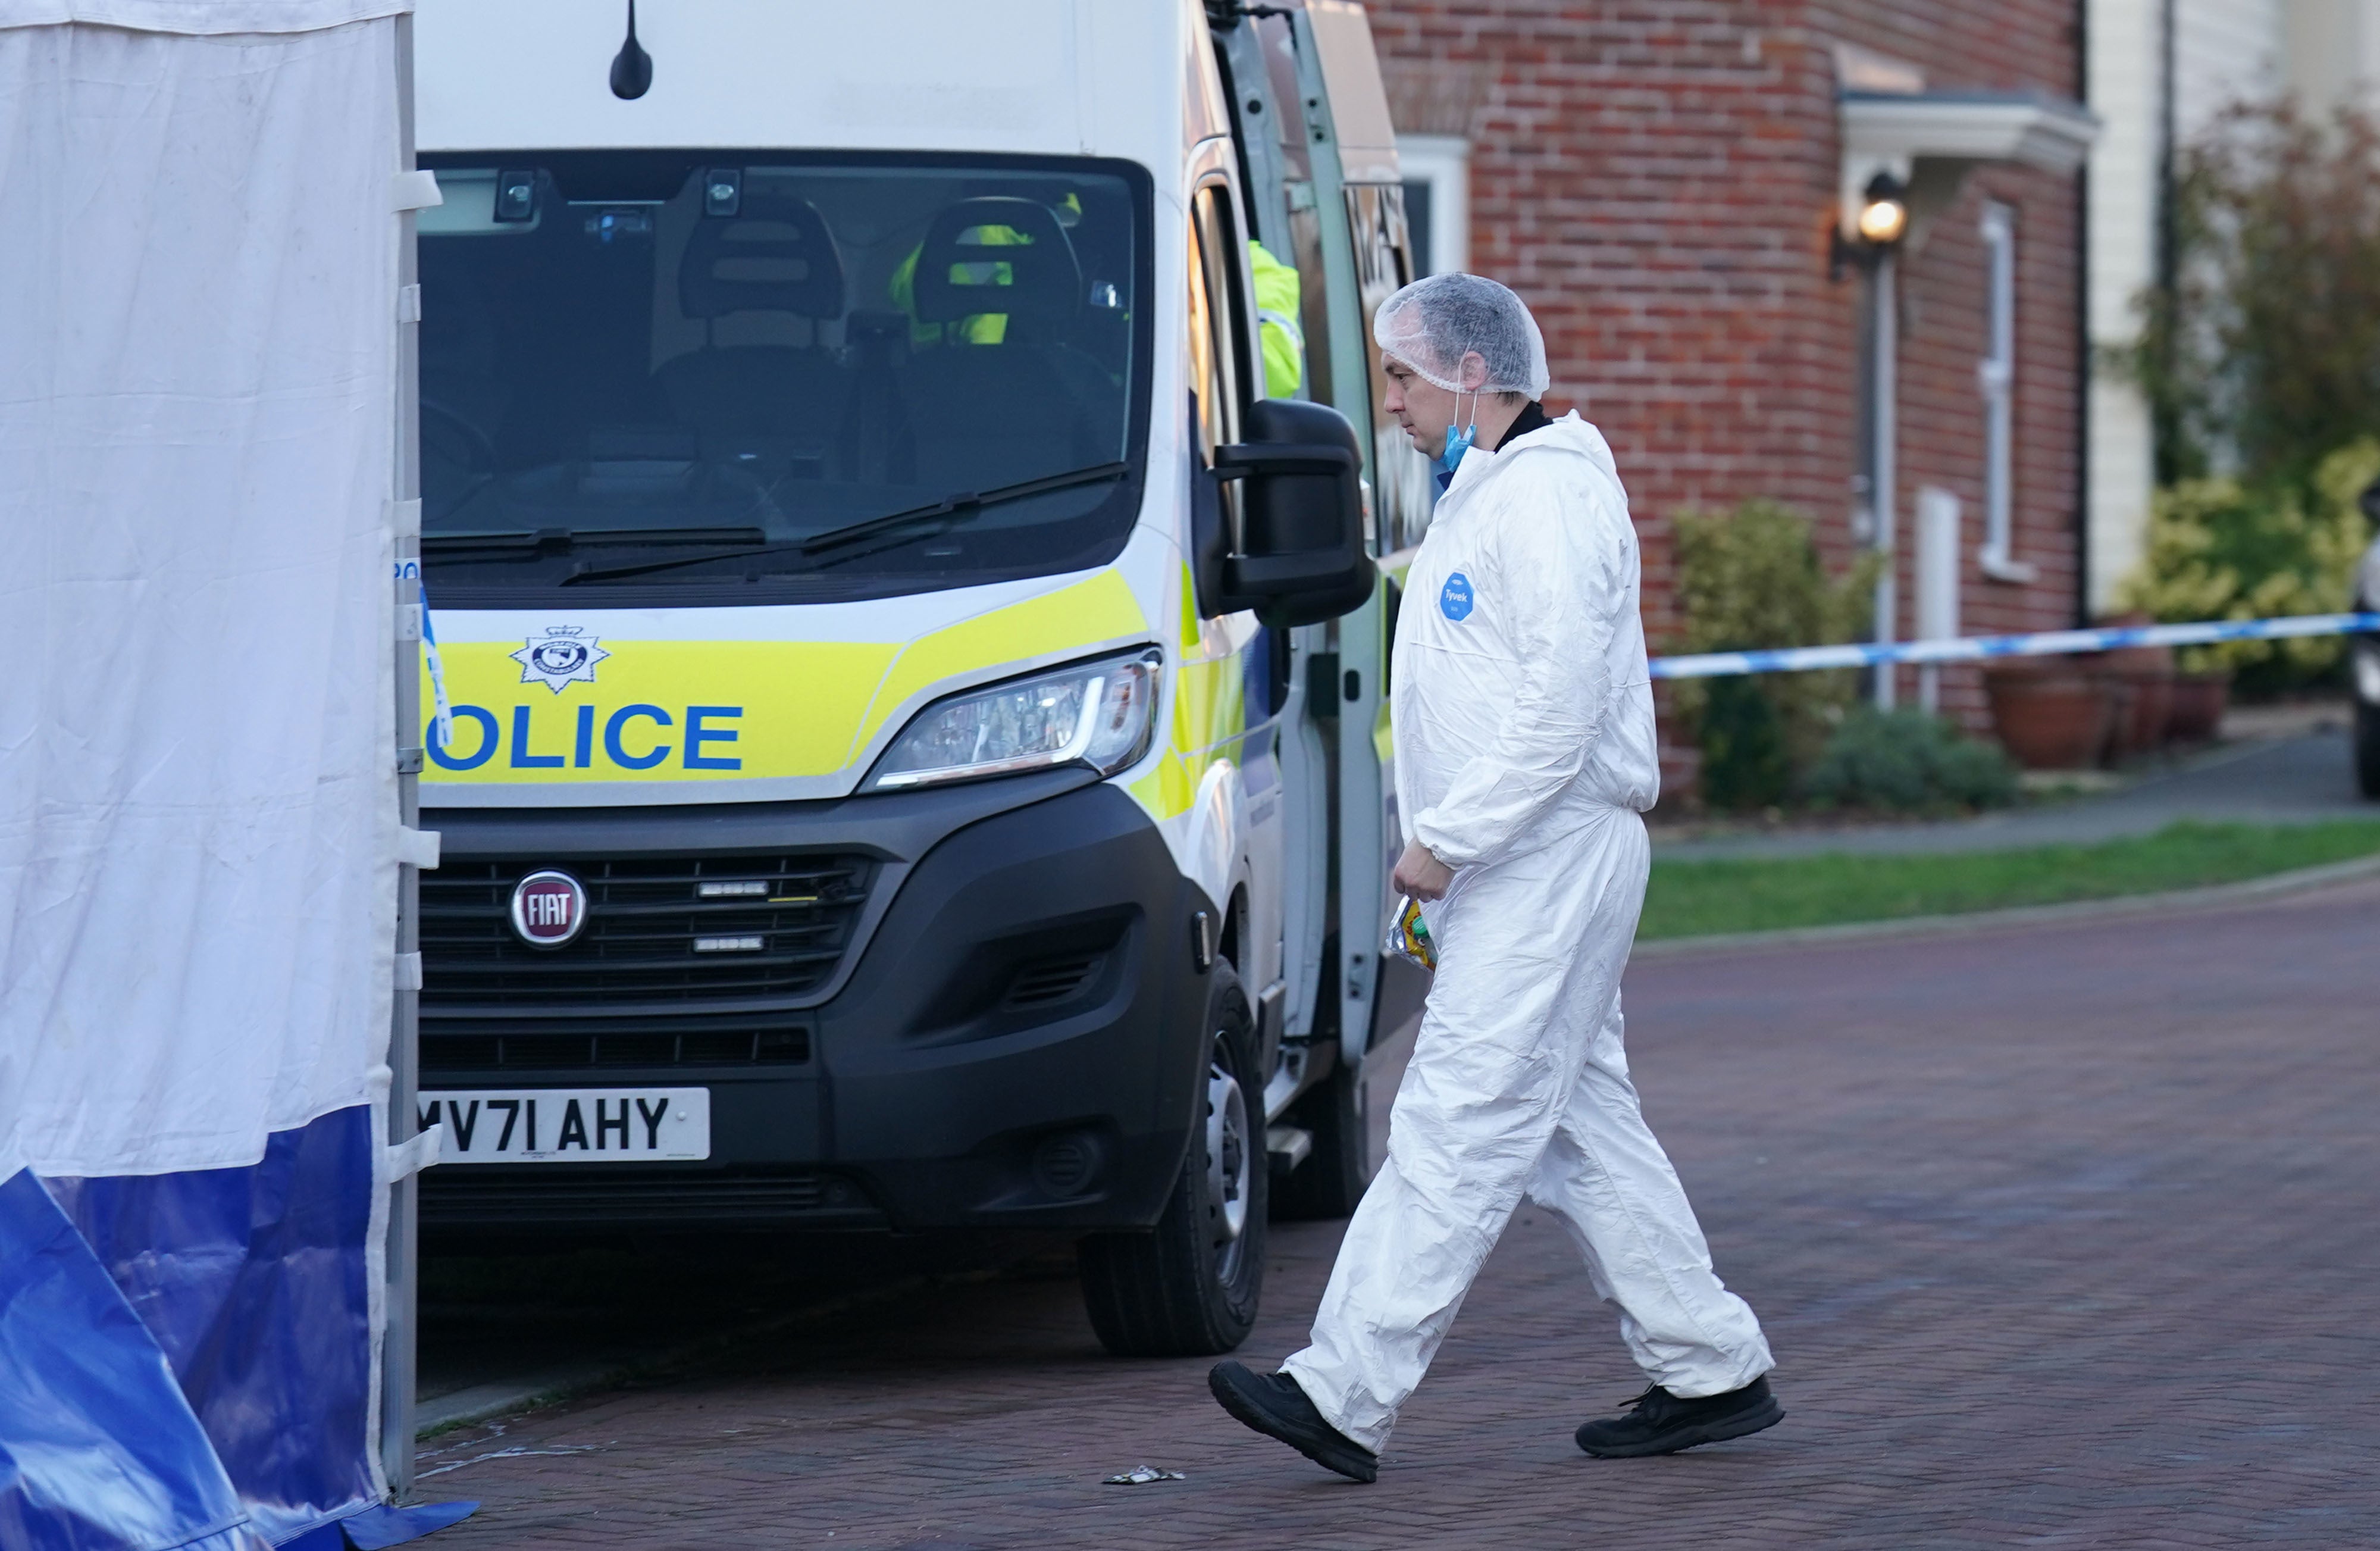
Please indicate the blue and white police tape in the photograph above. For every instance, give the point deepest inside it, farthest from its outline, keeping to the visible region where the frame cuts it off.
(2044, 644)
(443, 723)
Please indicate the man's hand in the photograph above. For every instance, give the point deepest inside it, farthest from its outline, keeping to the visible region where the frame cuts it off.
(1419, 874)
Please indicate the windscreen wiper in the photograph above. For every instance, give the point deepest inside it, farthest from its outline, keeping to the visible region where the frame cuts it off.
(561, 540)
(951, 508)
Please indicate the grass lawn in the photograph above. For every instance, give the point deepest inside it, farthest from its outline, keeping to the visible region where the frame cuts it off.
(1696, 898)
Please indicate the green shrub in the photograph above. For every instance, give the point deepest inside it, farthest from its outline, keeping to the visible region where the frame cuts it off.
(1907, 761)
(2219, 549)
(1742, 739)
(1748, 581)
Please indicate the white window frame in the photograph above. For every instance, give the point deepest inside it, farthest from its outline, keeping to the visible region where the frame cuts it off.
(1444, 162)
(1995, 377)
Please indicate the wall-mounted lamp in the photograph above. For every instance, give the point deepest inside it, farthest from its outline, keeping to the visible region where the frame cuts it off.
(1878, 224)
(1884, 211)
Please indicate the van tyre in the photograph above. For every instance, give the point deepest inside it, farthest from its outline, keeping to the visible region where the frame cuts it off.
(2367, 749)
(1190, 1286)
(1331, 1179)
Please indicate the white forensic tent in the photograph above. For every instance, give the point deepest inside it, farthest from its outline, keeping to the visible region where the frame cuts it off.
(202, 334)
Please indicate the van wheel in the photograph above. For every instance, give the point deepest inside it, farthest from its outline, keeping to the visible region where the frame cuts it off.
(1331, 1179)
(2367, 749)
(1190, 1287)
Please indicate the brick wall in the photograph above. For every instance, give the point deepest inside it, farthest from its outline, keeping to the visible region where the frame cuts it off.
(1657, 178)
(1941, 439)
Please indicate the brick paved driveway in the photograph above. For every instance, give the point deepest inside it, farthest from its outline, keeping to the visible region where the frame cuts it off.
(2063, 1238)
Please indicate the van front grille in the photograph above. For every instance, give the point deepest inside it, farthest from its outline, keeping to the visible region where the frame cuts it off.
(565, 1199)
(688, 930)
(1053, 980)
(444, 1054)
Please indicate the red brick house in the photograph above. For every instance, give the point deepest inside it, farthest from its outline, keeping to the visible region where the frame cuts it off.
(1663, 181)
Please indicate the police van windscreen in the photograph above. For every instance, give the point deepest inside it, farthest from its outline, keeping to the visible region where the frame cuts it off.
(672, 373)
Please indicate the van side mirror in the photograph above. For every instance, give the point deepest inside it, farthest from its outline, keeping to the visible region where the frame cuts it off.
(2370, 502)
(1302, 558)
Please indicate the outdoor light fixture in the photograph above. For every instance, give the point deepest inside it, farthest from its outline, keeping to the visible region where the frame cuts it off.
(1884, 212)
(1877, 224)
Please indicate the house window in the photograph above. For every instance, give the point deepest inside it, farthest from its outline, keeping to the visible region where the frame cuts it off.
(1437, 200)
(1995, 375)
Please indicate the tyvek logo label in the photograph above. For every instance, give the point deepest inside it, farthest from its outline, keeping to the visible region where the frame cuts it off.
(1455, 598)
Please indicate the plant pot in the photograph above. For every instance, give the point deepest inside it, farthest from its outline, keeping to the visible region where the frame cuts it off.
(2141, 727)
(2198, 700)
(2148, 673)
(2120, 700)
(2055, 720)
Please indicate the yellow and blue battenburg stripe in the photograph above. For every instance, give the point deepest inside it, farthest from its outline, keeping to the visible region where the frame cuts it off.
(570, 702)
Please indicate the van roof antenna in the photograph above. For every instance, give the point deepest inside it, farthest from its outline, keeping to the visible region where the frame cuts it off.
(632, 68)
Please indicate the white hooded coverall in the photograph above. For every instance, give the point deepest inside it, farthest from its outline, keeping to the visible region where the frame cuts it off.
(1525, 753)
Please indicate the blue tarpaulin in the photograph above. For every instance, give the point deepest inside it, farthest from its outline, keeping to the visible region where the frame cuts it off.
(98, 1447)
(254, 1283)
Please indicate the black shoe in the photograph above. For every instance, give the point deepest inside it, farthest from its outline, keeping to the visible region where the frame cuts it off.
(1663, 1423)
(1275, 1406)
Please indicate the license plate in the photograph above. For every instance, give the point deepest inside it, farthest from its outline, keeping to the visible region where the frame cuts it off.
(570, 1124)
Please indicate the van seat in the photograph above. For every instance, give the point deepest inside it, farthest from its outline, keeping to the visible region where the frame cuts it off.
(986, 416)
(777, 392)
(774, 255)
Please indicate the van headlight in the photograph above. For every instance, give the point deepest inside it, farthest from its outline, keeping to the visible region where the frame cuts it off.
(1097, 713)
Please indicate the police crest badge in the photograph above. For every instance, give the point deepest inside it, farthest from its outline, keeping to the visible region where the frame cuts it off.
(565, 654)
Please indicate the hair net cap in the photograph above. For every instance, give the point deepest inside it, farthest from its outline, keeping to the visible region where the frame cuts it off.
(1434, 323)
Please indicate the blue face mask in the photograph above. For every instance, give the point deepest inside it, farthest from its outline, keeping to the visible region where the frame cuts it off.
(1457, 444)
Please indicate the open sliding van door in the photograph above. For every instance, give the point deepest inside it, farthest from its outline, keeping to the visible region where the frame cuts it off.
(1321, 167)
(1257, 58)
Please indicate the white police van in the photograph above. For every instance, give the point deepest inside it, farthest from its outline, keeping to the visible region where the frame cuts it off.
(915, 753)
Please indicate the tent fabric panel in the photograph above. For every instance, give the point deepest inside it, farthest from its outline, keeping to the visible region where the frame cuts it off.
(254, 1283)
(198, 798)
(200, 18)
(98, 1449)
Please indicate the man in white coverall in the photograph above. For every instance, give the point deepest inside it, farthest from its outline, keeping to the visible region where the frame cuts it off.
(1523, 721)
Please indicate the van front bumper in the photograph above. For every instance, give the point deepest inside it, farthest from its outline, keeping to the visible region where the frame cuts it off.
(1013, 1038)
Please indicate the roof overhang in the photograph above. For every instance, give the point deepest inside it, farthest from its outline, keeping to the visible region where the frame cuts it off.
(2036, 131)
(1892, 131)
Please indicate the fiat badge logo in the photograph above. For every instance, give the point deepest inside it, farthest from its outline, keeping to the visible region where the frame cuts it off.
(549, 907)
